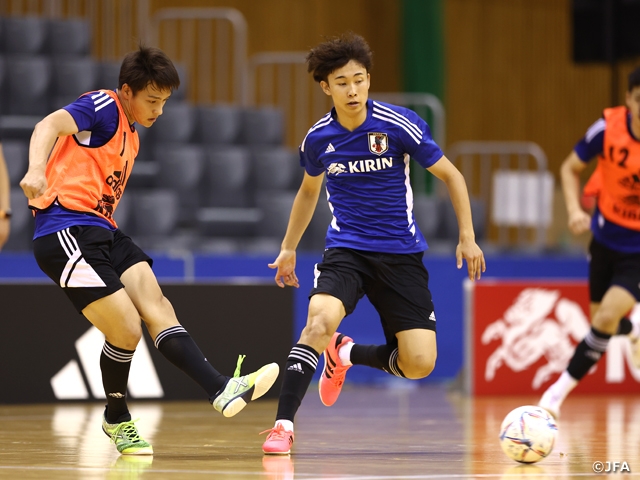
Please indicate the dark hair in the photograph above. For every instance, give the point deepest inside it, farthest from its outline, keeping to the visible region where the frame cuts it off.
(634, 79)
(148, 65)
(335, 53)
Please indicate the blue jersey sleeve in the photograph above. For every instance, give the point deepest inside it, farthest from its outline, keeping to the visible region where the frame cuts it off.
(420, 146)
(592, 144)
(95, 112)
(309, 159)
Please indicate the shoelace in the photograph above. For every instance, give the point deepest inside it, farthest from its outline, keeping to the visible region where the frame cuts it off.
(236, 373)
(127, 430)
(277, 432)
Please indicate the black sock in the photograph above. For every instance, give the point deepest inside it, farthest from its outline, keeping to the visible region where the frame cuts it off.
(178, 347)
(624, 327)
(115, 363)
(587, 353)
(299, 370)
(382, 357)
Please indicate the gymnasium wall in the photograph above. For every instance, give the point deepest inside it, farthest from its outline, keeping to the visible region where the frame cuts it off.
(509, 72)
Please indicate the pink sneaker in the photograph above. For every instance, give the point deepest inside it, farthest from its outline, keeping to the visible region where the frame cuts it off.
(278, 441)
(334, 371)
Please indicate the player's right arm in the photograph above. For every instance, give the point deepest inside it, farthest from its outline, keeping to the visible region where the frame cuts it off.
(302, 210)
(57, 124)
(578, 220)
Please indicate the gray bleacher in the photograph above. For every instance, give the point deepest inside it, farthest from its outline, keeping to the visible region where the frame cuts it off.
(214, 177)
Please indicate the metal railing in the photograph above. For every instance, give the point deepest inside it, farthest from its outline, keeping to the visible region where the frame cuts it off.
(220, 71)
(481, 161)
(280, 79)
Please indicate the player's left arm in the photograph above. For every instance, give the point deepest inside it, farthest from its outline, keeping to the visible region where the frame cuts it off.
(467, 248)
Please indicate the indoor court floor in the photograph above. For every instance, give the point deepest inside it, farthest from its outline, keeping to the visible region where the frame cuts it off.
(427, 432)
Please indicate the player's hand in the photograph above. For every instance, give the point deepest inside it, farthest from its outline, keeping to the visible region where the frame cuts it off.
(471, 252)
(579, 222)
(34, 184)
(285, 265)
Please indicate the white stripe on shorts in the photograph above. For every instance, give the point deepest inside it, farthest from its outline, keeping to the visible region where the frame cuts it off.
(77, 272)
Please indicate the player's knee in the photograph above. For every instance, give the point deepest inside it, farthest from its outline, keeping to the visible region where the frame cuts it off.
(317, 331)
(605, 321)
(418, 366)
(126, 336)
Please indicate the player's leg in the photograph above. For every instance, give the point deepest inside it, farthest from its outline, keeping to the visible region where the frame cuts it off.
(337, 288)
(117, 318)
(613, 285)
(401, 296)
(228, 395)
(604, 324)
(324, 316)
(77, 259)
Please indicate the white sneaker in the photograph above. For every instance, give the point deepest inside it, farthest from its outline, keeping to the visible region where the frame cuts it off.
(551, 402)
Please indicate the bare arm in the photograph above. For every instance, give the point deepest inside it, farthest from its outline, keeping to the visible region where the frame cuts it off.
(302, 210)
(570, 170)
(5, 200)
(467, 248)
(58, 124)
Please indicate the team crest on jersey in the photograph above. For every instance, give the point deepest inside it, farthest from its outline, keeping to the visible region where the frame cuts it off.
(378, 143)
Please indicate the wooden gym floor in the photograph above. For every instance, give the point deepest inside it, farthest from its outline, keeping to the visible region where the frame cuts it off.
(369, 434)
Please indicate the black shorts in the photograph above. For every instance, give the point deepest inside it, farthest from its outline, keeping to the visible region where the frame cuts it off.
(397, 285)
(87, 261)
(608, 267)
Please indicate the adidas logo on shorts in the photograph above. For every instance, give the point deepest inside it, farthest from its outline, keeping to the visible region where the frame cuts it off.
(296, 367)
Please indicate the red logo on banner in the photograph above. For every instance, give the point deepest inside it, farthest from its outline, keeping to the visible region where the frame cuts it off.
(525, 333)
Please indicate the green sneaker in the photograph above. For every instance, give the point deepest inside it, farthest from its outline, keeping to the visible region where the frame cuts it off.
(126, 438)
(241, 390)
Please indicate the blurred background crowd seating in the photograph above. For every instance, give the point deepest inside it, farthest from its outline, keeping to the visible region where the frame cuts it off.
(219, 170)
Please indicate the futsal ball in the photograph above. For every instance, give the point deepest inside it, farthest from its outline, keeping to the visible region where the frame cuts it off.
(527, 434)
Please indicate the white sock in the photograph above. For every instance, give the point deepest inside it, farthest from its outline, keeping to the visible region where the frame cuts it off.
(564, 385)
(345, 353)
(287, 424)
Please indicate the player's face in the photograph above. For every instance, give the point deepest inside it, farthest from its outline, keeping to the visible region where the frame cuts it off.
(144, 107)
(348, 87)
(633, 103)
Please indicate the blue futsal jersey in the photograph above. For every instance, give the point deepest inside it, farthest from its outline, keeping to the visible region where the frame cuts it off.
(611, 235)
(367, 170)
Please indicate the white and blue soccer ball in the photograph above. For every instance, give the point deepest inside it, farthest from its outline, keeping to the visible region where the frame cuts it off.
(528, 433)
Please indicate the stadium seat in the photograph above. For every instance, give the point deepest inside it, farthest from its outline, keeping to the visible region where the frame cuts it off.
(24, 35)
(226, 177)
(69, 36)
(21, 235)
(16, 155)
(180, 169)
(274, 168)
(218, 124)
(314, 237)
(108, 73)
(154, 212)
(73, 76)
(262, 126)
(123, 215)
(275, 207)
(427, 213)
(175, 125)
(28, 85)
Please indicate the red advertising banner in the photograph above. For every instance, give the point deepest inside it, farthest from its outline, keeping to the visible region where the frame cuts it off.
(521, 335)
